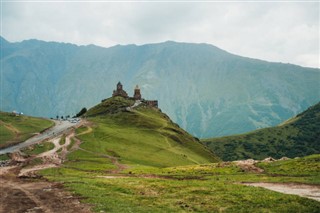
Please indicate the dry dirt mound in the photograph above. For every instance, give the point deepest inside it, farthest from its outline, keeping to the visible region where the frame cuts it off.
(249, 166)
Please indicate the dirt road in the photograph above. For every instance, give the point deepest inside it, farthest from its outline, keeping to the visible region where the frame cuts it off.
(59, 128)
(37, 196)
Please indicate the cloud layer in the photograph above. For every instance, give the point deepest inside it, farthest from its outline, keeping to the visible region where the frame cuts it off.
(285, 32)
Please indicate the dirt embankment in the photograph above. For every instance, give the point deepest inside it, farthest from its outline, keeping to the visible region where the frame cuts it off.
(25, 196)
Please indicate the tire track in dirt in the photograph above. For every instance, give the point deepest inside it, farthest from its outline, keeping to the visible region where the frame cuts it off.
(26, 196)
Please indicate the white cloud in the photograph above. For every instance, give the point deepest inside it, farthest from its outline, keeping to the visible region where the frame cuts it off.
(286, 32)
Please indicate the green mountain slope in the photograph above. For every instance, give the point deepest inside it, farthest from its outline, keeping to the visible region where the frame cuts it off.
(143, 136)
(14, 129)
(299, 136)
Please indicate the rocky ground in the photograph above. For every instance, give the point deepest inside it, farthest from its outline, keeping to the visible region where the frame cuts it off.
(22, 190)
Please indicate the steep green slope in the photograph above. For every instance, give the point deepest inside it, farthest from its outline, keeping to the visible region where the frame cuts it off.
(299, 136)
(14, 129)
(144, 136)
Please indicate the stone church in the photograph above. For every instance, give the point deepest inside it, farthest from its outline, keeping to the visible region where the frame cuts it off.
(136, 95)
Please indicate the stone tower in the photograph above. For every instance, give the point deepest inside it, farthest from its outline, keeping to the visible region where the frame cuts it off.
(119, 91)
(137, 94)
(119, 86)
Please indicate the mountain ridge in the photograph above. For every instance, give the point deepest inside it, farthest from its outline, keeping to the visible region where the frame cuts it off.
(207, 91)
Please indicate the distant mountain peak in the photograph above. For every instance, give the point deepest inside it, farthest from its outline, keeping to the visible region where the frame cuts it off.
(3, 40)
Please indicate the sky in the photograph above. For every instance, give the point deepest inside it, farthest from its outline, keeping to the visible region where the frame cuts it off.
(286, 31)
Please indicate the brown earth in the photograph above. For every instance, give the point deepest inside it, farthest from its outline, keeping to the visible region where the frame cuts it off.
(249, 166)
(35, 196)
(22, 190)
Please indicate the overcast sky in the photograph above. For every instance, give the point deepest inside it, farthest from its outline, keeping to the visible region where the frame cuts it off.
(282, 32)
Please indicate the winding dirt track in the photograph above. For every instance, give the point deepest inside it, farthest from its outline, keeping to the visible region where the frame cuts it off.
(26, 195)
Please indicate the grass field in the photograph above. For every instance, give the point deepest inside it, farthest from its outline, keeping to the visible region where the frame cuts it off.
(197, 188)
(296, 137)
(14, 129)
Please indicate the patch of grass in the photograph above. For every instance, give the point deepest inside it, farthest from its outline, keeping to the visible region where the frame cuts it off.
(62, 140)
(38, 148)
(4, 157)
(110, 106)
(15, 129)
(72, 142)
(307, 166)
(34, 162)
(81, 130)
(6, 134)
(86, 161)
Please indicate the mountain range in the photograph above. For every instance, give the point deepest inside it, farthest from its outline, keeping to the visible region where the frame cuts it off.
(207, 91)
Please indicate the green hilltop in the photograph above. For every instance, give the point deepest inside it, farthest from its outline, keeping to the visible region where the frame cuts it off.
(299, 136)
(143, 136)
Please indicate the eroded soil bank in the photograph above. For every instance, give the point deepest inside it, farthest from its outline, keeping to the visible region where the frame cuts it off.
(23, 195)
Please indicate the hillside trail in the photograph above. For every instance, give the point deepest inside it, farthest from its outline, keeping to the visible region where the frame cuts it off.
(60, 128)
(51, 158)
(11, 128)
(114, 161)
(89, 129)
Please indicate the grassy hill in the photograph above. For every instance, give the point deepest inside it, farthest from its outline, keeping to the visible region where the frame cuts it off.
(299, 136)
(144, 136)
(14, 129)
